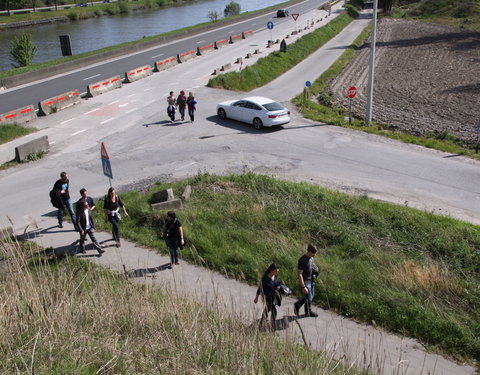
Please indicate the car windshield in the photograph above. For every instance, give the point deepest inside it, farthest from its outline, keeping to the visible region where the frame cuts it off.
(273, 106)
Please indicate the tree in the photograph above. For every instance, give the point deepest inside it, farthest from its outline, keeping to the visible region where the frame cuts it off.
(22, 50)
(232, 9)
(387, 6)
(213, 15)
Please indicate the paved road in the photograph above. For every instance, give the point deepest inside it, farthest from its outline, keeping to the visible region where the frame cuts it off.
(81, 78)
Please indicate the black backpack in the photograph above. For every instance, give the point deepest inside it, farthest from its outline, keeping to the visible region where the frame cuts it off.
(55, 199)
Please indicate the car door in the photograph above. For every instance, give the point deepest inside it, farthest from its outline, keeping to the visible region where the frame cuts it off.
(236, 110)
(251, 111)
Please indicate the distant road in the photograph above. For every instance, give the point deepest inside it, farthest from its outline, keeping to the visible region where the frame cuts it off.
(79, 79)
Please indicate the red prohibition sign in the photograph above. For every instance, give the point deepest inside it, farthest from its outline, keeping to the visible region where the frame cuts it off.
(352, 92)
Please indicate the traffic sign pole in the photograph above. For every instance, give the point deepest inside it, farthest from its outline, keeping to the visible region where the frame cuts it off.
(351, 93)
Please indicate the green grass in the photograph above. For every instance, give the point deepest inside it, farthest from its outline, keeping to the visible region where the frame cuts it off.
(410, 271)
(11, 132)
(270, 67)
(68, 316)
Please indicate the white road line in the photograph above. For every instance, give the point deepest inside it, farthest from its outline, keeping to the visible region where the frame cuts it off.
(116, 101)
(150, 88)
(186, 165)
(93, 110)
(86, 79)
(231, 31)
(123, 105)
(80, 131)
(130, 95)
(200, 41)
(151, 101)
(131, 110)
(64, 122)
(110, 119)
(157, 55)
(51, 143)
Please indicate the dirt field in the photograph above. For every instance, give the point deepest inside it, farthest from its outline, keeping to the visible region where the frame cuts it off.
(427, 79)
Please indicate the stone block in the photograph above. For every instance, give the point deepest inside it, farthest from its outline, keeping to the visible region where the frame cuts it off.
(163, 196)
(187, 192)
(37, 145)
(168, 205)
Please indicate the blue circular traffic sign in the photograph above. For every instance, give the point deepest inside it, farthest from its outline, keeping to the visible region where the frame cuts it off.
(269, 25)
(308, 83)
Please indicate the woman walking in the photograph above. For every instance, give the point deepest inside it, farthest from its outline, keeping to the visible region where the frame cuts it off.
(181, 104)
(172, 233)
(267, 289)
(111, 205)
(191, 104)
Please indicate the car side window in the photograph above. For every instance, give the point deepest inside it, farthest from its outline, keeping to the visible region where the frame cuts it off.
(251, 105)
(240, 103)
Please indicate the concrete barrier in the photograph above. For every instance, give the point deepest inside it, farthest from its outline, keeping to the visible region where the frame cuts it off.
(187, 192)
(239, 60)
(58, 103)
(185, 56)
(257, 52)
(204, 49)
(37, 145)
(104, 86)
(235, 38)
(162, 196)
(249, 56)
(226, 67)
(168, 205)
(164, 64)
(138, 73)
(221, 43)
(247, 34)
(18, 116)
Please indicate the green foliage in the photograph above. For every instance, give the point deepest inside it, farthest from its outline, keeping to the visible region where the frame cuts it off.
(22, 50)
(410, 271)
(73, 15)
(123, 6)
(352, 11)
(232, 9)
(35, 156)
(357, 3)
(10, 132)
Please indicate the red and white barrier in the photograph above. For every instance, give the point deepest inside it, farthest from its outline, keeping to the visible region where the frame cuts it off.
(18, 116)
(138, 73)
(58, 103)
(104, 86)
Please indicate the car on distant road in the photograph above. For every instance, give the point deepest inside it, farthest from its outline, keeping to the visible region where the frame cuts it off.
(255, 110)
(282, 13)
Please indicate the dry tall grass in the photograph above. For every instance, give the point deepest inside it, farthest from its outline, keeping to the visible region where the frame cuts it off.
(68, 316)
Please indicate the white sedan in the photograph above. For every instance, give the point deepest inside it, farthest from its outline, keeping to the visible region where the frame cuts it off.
(255, 110)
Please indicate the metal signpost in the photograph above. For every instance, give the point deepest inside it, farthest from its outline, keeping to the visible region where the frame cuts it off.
(270, 27)
(107, 168)
(295, 16)
(351, 93)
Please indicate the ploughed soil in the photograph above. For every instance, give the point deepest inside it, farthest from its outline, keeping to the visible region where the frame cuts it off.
(427, 79)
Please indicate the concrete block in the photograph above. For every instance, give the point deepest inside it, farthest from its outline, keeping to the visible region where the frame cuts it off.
(247, 34)
(226, 67)
(163, 196)
(235, 38)
(58, 103)
(104, 86)
(221, 43)
(257, 51)
(168, 205)
(239, 60)
(164, 64)
(187, 192)
(185, 56)
(204, 49)
(37, 145)
(249, 56)
(138, 73)
(18, 116)
(6, 233)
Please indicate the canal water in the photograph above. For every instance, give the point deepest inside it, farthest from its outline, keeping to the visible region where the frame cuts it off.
(95, 33)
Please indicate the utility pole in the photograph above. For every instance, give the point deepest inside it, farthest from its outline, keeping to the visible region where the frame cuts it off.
(371, 73)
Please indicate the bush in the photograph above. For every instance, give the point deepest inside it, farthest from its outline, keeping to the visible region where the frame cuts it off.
(351, 10)
(123, 7)
(73, 15)
(232, 9)
(22, 50)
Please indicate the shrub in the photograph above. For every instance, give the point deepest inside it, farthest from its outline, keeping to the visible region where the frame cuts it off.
(22, 50)
(232, 9)
(73, 15)
(123, 7)
(352, 11)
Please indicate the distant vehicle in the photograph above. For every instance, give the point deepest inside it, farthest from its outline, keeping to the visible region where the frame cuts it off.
(106, 1)
(82, 4)
(255, 110)
(282, 13)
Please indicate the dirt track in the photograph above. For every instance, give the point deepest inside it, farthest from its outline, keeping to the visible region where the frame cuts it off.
(427, 79)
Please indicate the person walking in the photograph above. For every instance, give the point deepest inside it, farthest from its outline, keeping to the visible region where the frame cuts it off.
(268, 287)
(181, 104)
(172, 233)
(111, 205)
(307, 272)
(171, 106)
(191, 104)
(61, 188)
(86, 226)
(84, 197)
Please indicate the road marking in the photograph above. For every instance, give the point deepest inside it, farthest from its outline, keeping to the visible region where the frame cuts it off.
(151, 88)
(186, 165)
(130, 95)
(123, 105)
(157, 55)
(110, 119)
(51, 143)
(151, 101)
(131, 110)
(80, 131)
(116, 101)
(64, 122)
(93, 110)
(86, 79)
(231, 31)
(200, 41)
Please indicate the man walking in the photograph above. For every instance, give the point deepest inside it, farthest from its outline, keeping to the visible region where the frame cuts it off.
(86, 226)
(84, 197)
(307, 271)
(171, 101)
(61, 187)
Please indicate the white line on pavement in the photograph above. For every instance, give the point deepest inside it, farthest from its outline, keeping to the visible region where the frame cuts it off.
(80, 131)
(200, 41)
(151, 101)
(116, 101)
(131, 110)
(93, 110)
(108, 120)
(157, 55)
(51, 143)
(130, 95)
(150, 88)
(96, 75)
(64, 122)
(123, 105)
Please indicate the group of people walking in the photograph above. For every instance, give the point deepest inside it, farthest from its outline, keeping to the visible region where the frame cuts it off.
(181, 102)
(270, 287)
(82, 219)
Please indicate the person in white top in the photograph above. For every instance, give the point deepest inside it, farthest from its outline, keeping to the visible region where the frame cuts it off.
(86, 225)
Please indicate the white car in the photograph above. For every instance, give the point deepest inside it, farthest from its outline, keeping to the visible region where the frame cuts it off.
(255, 110)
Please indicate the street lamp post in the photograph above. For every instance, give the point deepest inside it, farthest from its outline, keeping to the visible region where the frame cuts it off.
(371, 73)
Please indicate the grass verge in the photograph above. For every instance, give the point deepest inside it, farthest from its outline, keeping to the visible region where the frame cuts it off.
(67, 316)
(10, 132)
(410, 271)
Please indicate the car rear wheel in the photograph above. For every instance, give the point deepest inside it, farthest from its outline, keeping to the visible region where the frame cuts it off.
(257, 123)
(222, 114)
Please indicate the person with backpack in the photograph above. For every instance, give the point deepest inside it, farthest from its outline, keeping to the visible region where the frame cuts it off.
(62, 199)
(268, 289)
(191, 104)
(172, 233)
(181, 104)
(171, 106)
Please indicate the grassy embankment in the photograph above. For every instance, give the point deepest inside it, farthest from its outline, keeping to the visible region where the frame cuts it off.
(321, 109)
(9, 133)
(411, 272)
(68, 316)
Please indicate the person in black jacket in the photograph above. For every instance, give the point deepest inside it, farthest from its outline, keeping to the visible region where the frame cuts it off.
(172, 233)
(268, 287)
(111, 205)
(307, 272)
(61, 190)
(86, 225)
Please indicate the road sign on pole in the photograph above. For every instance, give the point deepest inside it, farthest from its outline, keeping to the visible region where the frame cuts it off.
(270, 25)
(352, 92)
(103, 152)
(106, 166)
(295, 16)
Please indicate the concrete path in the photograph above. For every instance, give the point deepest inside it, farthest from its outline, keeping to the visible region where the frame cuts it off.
(358, 345)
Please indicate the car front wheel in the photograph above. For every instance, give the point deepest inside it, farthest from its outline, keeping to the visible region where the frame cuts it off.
(222, 114)
(257, 123)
